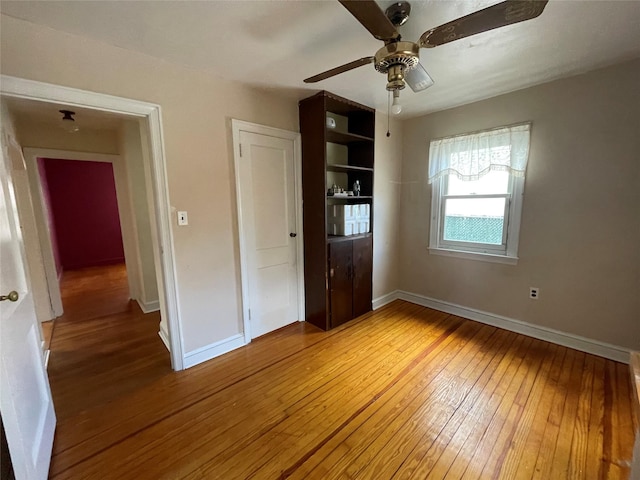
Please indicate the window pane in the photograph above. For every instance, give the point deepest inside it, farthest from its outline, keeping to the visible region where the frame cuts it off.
(492, 182)
(479, 220)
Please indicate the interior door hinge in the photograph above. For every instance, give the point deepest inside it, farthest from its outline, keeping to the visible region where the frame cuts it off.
(240, 149)
(249, 314)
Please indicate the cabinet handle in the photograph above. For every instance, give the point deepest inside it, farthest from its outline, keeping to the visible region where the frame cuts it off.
(331, 272)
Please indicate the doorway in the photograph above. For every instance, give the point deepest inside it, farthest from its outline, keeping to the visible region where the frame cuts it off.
(149, 115)
(86, 211)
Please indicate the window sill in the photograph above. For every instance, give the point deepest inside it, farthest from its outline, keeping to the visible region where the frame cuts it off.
(483, 257)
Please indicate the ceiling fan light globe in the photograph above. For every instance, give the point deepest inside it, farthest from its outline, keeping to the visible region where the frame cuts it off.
(396, 108)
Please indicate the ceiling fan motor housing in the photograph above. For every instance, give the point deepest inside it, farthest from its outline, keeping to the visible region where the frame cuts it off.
(394, 59)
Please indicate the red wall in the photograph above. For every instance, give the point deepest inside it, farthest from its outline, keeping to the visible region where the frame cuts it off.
(84, 208)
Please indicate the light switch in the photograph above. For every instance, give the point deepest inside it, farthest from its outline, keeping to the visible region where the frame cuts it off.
(183, 219)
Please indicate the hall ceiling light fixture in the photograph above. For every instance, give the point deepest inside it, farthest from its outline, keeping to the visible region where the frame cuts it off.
(68, 122)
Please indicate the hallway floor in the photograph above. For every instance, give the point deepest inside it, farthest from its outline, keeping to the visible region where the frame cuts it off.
(103, 346)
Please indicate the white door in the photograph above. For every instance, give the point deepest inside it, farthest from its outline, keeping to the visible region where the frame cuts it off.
(25, 398)
(268, 217)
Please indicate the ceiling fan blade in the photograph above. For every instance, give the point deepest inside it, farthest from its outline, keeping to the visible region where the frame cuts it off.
(341, 69)
(418, 78)
(369, 14)
(495, 16)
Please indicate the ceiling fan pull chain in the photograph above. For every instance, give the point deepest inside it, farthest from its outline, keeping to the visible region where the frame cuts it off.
(388, 109)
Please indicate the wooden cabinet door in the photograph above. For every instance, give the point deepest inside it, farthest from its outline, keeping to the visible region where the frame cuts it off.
(362, 273)
(340, 284)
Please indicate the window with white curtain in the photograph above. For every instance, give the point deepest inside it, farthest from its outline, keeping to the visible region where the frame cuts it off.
(477, 184)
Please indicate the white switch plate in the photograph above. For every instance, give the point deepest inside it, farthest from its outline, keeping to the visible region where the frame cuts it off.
(183, 219)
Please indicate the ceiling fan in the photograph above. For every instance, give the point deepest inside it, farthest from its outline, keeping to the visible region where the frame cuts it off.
(400, 60)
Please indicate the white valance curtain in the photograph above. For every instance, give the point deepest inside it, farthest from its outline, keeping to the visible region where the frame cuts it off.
(473, 155)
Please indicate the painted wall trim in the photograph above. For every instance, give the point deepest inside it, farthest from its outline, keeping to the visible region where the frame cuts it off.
(588, 345)
(213, 350)
(385, 299)
(164, 337)
(164, 247)
(148, 307)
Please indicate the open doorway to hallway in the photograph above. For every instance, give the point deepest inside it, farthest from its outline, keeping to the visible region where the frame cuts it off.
(88, 365)
(26, 372)
(104, 344)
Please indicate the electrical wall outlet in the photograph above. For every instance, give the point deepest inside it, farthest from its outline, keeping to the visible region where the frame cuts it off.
(183, 219)
(534, 292)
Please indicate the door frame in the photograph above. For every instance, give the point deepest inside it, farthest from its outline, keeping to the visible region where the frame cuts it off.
(162, 235)
(242, 126)
(125, 213)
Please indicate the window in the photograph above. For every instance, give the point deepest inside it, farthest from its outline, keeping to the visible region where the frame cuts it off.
(476, 197)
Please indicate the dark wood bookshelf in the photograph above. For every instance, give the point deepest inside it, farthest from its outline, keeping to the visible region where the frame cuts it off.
(337, 269)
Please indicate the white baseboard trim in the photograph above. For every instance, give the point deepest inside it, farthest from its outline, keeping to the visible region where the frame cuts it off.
(213, 350)
(385, 299)
(164, 336)
(148, 307)
(588, 345)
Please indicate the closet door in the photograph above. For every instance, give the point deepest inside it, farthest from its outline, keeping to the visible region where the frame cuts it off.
(340, 283)
(362, 275)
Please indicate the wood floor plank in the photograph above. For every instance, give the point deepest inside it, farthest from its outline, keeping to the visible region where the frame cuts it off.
(543, 465)
(416, 412)
(595, 443)
(512, 465)
(481, 418)
(403, 392)
(622, 427)
(442, 450)
(346, 442)
(426, 422)
(533, 439)
(498, 423)
(579, 442)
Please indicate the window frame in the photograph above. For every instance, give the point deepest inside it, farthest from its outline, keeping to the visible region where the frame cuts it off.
(506, 253)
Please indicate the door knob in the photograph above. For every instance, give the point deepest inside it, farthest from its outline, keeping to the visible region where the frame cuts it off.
(12, 297)
(293, 234)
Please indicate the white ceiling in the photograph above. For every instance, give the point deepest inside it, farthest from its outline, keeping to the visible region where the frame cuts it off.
(276, 44)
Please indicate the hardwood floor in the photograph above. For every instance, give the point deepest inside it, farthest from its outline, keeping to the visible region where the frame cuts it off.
(405, 392)
(103, 347)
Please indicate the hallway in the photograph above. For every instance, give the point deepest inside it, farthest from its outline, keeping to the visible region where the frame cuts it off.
(103, 346)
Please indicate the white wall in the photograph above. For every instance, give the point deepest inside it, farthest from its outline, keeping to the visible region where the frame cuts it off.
(386, 208)
(196, 114)
(580, 232)
(132, 155)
